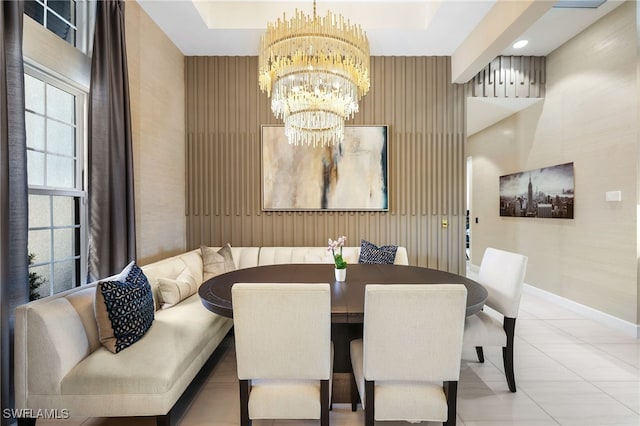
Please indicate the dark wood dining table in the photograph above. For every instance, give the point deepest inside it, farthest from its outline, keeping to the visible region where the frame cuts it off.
(347, 298)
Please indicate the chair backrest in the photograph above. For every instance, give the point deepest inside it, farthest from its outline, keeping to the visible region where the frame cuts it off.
(413, 331)
(502, 274)
(282, 331)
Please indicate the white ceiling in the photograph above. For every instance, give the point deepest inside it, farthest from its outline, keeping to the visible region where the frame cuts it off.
(394, 28)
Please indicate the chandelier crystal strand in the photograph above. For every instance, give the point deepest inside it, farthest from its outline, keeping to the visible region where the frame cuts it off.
(315, 69)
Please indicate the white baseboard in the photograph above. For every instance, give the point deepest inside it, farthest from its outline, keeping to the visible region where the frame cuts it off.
(587, 311)
(598, 316)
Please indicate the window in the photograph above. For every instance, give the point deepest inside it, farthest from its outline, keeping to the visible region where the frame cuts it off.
(54, 115)
(68, 19)
(56, 15)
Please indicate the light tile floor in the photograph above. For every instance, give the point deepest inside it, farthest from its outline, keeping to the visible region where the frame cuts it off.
(569, 371)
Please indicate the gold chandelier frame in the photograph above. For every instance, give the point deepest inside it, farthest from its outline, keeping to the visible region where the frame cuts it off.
(315, 70)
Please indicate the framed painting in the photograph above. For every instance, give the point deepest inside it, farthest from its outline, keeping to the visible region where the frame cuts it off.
(543, 193)
(349, 176)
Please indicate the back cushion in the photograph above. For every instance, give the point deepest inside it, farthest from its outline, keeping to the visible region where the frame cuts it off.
(168, 268)
(281, 255)
(245, 257)
(275, 255)
(311, 255)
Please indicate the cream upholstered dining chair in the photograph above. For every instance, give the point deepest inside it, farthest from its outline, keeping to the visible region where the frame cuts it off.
(283, 349)
(502, 274)
(407, 364)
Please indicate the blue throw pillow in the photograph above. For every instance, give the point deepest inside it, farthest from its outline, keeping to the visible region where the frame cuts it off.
(371, 253)
(124, 309)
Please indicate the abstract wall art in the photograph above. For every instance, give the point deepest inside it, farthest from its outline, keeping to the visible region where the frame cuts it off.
(544, 193)
(349, 176)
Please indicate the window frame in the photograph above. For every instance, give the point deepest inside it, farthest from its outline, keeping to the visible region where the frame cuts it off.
(79, 191)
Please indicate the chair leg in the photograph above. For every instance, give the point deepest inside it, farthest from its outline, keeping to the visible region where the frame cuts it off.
(244, 403)
(355, 396)
(369, 405)
(480, 353)
(451, 393)
(507, 352)
(324, 402)
(330, 398)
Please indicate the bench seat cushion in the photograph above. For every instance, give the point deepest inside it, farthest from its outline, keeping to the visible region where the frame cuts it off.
(156, 361)
(280, 255)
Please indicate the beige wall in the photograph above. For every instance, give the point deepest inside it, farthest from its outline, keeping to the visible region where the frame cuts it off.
(589, 117)
(156, 86)
(414, 96)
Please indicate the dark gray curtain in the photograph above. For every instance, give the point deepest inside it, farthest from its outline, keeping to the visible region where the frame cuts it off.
(111, 199)
(14, 212)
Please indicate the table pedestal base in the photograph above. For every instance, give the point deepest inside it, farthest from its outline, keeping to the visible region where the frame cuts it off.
(341, 390)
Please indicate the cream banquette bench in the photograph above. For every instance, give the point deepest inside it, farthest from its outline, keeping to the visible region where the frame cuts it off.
(62, 367)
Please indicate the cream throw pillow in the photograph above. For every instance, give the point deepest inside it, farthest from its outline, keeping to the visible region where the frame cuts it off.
(173, 292)
(216, 262)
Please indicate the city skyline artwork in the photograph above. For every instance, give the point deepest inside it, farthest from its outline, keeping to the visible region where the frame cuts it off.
(547, 192)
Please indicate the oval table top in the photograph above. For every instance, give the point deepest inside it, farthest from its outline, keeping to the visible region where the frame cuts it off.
(347, 298)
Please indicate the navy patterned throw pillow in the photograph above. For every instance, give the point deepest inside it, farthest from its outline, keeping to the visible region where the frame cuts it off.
(124, 309)
(371, 253)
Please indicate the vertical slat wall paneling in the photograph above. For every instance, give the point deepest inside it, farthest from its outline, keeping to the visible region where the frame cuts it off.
(446, 119)
(414, 96)
(422, 234)
(510, 77)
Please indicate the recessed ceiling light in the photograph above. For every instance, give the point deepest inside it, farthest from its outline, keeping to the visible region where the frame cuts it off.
(520, 44)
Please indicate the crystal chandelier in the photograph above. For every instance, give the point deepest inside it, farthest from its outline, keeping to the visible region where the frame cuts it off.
(315, 70)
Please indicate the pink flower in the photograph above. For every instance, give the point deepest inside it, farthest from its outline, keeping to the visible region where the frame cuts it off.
(333, 245)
